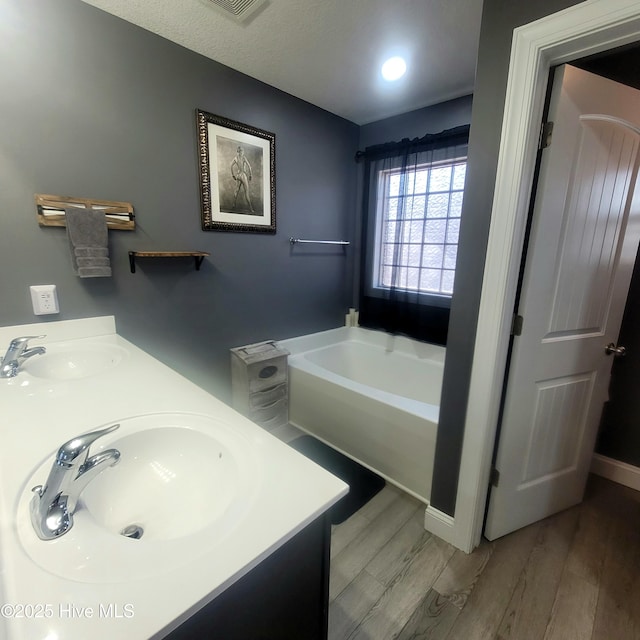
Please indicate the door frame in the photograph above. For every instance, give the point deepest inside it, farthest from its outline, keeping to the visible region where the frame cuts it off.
(584, 29)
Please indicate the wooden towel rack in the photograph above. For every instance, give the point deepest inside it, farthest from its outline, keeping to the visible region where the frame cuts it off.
(50, 211)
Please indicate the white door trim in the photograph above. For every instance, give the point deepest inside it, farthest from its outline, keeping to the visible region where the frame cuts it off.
(586, 28)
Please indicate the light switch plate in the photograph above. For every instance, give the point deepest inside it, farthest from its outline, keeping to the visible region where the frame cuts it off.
(44, 299)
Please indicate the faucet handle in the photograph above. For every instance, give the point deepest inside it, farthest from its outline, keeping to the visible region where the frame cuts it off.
(69, 452)
(16, 342)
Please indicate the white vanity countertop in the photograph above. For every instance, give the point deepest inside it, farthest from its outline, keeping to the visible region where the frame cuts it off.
(40, 415)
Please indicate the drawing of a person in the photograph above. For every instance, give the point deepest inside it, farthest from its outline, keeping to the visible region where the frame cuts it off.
(241, 172)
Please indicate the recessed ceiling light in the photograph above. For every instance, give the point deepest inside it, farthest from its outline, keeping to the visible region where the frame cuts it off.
(394, 68)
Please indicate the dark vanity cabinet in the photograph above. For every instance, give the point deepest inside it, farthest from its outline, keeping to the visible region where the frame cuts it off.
(285, 597)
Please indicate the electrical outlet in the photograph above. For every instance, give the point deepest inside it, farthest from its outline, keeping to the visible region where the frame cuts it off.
(44, 299)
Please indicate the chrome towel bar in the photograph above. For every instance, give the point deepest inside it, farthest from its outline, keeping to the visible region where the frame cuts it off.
(299, 241)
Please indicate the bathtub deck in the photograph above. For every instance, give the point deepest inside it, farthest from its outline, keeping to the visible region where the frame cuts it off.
(575, 575)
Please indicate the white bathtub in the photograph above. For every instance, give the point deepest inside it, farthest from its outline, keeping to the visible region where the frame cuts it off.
(373, 397)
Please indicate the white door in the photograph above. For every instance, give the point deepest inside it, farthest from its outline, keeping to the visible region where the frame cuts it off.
(582, 248)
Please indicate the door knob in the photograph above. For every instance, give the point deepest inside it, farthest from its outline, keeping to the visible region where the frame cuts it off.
(618, 352)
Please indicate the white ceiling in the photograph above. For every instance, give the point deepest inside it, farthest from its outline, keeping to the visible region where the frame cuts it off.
(329, 52)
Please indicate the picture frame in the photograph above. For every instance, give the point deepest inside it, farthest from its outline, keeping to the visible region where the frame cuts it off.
(237, 175)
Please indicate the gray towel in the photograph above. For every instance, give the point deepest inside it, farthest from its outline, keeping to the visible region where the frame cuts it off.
(88, 239)
(92, 262)
(91, 252)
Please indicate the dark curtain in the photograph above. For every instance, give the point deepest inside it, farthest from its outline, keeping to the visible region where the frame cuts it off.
(398, 307)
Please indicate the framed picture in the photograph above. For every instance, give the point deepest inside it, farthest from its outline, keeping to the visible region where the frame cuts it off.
(237, 175)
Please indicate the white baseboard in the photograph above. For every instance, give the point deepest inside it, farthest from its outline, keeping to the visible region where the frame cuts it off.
(443, 525)
(440, 524)
(619, 472)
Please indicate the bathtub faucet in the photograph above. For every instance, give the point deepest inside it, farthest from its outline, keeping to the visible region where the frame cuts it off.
(52, 506)
(17, 353)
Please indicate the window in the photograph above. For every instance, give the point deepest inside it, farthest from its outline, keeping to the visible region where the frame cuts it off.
(411, 206)
(418, 220)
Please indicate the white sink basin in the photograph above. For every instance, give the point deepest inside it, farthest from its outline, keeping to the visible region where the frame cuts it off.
(70, 363)
(170, 482)
(183, 483)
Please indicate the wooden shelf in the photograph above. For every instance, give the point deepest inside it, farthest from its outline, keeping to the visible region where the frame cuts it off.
(198, 256)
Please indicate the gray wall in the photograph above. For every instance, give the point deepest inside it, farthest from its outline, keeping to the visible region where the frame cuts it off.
(93, 106)
(499, 18)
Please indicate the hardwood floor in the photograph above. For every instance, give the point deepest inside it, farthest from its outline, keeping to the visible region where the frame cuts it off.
(573, 576)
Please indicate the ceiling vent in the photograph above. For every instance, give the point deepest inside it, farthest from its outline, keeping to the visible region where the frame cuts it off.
(238, 10)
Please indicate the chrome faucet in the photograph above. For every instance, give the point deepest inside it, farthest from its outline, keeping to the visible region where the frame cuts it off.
(53, 504)
(17, 353)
